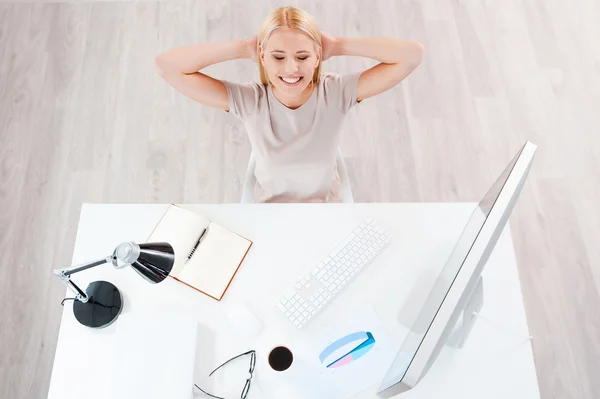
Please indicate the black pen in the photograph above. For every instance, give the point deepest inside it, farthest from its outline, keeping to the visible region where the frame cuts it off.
(197, 243)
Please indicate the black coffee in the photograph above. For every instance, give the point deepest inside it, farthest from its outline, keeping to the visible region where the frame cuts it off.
(281, 358)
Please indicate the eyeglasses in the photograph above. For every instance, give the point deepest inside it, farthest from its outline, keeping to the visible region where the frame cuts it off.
(246, 389)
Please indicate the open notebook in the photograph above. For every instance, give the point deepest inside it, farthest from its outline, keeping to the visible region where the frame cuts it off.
(216, 259)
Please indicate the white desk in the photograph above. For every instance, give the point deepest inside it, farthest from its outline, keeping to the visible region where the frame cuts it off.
(288, 241)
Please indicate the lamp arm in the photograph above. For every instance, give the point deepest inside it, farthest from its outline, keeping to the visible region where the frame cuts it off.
(65, 275)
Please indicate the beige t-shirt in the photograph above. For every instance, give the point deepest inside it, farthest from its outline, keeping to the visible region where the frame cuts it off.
(295, 150)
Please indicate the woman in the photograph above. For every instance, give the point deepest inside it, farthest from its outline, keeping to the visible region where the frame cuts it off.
(293, 116)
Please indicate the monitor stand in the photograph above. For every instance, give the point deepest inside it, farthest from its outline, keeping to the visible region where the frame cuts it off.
(467, 318)
(469, 315)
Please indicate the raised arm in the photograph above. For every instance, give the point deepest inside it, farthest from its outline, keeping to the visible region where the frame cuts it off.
(180, 66)
(398, 59)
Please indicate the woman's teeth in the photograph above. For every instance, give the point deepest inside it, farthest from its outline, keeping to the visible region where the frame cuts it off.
(290, 81)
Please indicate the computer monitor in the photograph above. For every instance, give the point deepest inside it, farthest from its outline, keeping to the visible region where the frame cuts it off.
(458, 290)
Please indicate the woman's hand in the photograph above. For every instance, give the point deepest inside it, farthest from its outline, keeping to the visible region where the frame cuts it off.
(329, 47)
(252, 48)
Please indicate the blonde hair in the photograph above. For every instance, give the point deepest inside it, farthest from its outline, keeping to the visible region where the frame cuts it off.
(292, 18)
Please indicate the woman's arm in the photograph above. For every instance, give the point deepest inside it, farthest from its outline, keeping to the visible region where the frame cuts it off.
(180, 66)
(398, 59)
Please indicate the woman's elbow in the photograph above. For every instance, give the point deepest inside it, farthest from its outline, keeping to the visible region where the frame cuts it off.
(418, 53)
(161, 64)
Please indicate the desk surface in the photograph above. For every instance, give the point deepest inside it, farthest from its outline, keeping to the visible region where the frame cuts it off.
(289, 240)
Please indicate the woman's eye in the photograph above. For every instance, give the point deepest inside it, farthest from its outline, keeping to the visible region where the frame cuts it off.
(280, 58)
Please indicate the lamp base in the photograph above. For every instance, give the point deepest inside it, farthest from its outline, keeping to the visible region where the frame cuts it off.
(103, 307)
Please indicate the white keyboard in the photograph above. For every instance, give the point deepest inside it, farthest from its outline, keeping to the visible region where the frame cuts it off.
(313, 292)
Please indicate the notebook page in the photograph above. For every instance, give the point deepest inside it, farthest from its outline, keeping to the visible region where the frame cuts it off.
(215, 261)
(180, 228)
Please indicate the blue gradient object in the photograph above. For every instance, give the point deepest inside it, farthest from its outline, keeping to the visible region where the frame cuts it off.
(368, 341)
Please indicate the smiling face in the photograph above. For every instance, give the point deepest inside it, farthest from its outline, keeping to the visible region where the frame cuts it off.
(290, 58)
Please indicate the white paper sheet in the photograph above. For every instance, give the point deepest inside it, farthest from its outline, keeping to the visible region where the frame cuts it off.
(358, 375)
(154, 356)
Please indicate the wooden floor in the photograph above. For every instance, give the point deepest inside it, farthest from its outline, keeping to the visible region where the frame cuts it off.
(84, 118)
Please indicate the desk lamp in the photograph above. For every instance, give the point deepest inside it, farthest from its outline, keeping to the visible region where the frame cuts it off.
(101, 303)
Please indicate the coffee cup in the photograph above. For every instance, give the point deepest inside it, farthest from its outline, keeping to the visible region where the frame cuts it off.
(280, 358)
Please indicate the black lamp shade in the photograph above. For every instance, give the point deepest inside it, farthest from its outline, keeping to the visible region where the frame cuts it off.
(155, 261)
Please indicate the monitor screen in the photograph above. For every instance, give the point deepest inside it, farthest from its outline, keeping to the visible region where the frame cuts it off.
(444, 281)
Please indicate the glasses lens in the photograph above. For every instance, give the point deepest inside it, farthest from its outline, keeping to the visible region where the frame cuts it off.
(246, 389)
(207, 393)
(227, 379)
